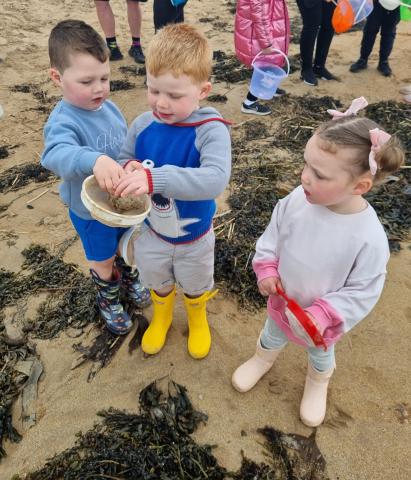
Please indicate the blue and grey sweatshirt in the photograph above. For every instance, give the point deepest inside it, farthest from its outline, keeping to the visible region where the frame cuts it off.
(73, 140)
(192, 166)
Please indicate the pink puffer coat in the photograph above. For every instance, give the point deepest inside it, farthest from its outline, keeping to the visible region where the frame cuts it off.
(259, 24)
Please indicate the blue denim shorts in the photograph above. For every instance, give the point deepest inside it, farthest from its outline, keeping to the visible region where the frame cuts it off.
(100, 242)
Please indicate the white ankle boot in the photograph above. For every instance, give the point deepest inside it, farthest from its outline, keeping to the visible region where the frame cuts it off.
(250, 372)
(314, 402)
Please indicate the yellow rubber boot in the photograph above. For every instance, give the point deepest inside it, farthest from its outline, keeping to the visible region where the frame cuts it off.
(199, 337)
(155, 335)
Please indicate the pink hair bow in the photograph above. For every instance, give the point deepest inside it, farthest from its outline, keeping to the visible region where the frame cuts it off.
(378, 139)
(356, 105)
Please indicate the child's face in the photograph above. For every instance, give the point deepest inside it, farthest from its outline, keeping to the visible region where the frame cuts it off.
(326, 178)
(85, 83)
(174, 99)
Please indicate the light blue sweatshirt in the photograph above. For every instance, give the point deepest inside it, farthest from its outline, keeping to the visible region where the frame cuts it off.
(73, 140)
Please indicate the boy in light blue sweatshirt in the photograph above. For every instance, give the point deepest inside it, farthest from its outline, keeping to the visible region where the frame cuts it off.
(189, 148)
(83, 136)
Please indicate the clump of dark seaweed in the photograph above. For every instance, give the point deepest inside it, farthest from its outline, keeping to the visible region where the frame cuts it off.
(4, 152)
(46, 102)
(71, 300)
(133, 70)
(11, 383)
(395, 117)
(227, 68)
(300, 116)
(391, 201)
(117, 85)
(19, 176)
(156, 444)
(217, 98)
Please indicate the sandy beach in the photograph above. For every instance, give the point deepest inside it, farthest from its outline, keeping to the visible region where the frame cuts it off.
(367, 432)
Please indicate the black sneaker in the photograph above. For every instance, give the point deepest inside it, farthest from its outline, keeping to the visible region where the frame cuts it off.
(255, 109)
(279, 92)
(137, 53)
(115, 54)
(360, 64)
(309, 77)
(385, 69)
(323, 73)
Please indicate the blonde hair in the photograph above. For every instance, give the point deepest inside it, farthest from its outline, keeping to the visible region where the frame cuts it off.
(354, 132)
(181, 50)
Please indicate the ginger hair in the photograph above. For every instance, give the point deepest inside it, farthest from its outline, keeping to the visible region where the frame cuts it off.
(75, 36)
(180, 49)
(354, 132)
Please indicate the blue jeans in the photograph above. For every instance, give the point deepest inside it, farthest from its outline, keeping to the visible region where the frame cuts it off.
(273, 338)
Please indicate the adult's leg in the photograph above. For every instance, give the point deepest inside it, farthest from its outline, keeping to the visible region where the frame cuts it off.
(325, 34)
(164, 13)
(388, 32)
(371, 28)
(134, 20)
(106, 18)
(311, 23)
(134, 16)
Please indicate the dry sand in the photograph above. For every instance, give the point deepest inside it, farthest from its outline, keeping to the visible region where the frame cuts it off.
(366, 434)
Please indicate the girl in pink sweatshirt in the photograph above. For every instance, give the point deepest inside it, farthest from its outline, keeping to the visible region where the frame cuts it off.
(261, 26)
(326, 248)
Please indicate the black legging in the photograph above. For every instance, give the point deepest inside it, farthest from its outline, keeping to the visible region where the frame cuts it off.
(387, 20)
(165, 13)
(316, 15)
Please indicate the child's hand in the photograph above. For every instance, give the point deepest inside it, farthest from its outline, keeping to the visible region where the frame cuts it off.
(107, 172)
(269, 285)
(134, 183)
(268, 50)
(133, 165)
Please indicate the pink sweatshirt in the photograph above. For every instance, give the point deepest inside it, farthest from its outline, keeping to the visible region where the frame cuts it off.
(259, 24)
(333, 265)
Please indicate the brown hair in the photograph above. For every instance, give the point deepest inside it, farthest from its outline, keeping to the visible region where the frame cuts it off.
(354, 132)
(74, 36)
(181, 50)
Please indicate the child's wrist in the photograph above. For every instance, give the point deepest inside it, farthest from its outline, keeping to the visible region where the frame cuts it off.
(149, 180)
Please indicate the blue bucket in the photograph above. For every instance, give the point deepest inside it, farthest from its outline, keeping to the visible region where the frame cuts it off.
(266, 77)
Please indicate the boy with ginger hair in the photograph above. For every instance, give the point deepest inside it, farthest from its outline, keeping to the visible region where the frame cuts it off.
(190, 152)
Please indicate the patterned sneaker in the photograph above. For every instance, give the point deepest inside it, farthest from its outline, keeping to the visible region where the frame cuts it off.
(137, 53)
(255, 109)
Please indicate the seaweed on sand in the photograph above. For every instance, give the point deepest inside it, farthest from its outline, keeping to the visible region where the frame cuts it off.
(70, 304)
(227, 68)
(157, 444)
(19, 176)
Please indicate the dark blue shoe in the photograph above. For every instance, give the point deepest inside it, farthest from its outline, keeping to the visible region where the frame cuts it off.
(108, 300)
